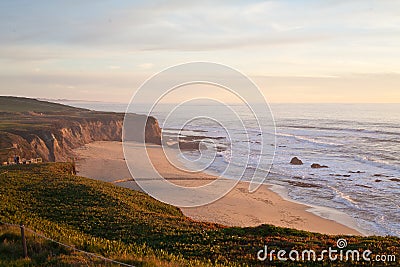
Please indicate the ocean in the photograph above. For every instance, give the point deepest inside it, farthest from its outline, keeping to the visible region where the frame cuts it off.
(360, 143)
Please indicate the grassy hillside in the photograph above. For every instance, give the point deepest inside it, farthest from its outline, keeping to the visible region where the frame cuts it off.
(132, 227)
(21, 104)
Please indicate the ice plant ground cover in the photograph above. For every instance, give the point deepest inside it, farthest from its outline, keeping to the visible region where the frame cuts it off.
(131, 227)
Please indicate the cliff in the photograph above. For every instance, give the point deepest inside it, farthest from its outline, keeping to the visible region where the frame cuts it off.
(31, 128)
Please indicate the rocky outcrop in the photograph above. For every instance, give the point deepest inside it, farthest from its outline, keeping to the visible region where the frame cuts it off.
(152, 131)
(140, 128)
(318, 166)
(296, 161)
(58, 137)
(194, 145)
(356, 172)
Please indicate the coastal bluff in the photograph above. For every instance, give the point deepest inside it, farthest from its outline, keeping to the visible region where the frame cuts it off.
(32, 128)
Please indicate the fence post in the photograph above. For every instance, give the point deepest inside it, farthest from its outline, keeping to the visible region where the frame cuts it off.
(25, 249)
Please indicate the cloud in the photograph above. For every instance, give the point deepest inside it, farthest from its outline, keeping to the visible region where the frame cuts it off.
(181, 26)
(153, 26)
(83, 44)
(146, 66)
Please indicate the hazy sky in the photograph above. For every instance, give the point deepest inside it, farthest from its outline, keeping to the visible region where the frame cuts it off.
(296, 51)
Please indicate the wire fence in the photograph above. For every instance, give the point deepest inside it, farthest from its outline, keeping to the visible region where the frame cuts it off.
(88, 254)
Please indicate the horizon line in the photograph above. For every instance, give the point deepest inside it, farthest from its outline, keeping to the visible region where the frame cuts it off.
(232, 103)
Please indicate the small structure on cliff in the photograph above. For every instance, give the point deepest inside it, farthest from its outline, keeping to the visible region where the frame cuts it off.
(18, 160)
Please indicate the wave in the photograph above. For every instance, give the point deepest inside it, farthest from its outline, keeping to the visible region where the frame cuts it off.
(309, 139)
(343, 198)
(226, 156)
(380, 140)
(341, 129)
(377, 162)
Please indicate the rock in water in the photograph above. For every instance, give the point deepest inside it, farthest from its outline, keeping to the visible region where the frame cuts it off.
(318, 166)
(356, 172)
(296, 161)
(196, 145)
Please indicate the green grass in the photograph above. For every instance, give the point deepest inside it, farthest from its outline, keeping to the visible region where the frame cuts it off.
(14, 124)
(21, 104)
(132, 227)
(41, 251)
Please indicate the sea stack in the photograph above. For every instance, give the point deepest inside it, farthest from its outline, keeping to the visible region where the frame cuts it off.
(296, 161)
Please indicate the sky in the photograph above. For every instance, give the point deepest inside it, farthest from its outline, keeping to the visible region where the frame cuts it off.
(295, 51)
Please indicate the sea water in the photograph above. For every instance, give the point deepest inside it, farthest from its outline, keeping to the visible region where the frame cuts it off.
(360, 143)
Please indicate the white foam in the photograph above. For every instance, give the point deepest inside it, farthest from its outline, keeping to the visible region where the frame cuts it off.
(324, 212)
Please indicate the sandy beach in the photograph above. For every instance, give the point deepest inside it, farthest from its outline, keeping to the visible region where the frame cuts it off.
(105, 161)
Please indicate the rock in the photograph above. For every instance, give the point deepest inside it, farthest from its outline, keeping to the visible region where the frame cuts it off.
(152, 131)
(365, 186)
(395, 179)
(318, 166)
(356, 172)
(338, 175)
(221, 148)
(380, 175)
(191, 145)
(301, 184)
(378, 180)
(296, 161)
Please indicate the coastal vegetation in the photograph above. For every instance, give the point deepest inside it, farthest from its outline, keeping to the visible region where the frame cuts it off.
(131, 227)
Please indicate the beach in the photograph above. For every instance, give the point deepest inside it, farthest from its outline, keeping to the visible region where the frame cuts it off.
(105, 161)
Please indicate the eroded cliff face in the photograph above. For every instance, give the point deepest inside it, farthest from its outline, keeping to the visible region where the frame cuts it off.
(60, 135)
(61, 142)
